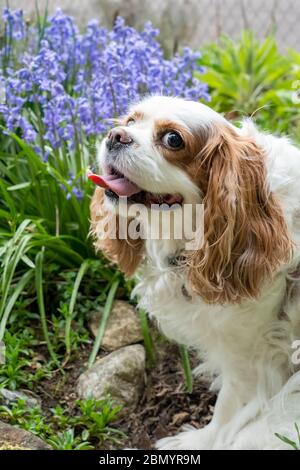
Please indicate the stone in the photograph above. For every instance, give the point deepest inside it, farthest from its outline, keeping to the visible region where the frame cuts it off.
(13, 438)
(8, 396)
(123, 326)
(121, 374)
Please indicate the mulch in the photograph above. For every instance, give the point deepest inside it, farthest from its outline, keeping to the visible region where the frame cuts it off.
(164, 407)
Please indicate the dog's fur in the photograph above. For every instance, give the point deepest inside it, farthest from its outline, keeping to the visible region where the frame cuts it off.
(242, 311)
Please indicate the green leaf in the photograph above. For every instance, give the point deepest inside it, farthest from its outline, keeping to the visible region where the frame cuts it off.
(80, 274)
(40, 297)
(16, 187)
(104, 319)
(287, 441)
(186, 368)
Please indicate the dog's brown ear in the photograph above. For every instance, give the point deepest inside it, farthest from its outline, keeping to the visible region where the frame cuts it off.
(246, 238)
(126, 253)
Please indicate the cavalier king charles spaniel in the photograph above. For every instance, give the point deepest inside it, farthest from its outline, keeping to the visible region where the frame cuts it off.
(235, 298)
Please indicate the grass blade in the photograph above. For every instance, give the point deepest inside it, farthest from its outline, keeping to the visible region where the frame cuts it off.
(186, 368)
(81, 273)
(298, 433)
(102, 326)
(287, 441)
(40, 297)
(10, 304)
(15, 249)
(147, 336)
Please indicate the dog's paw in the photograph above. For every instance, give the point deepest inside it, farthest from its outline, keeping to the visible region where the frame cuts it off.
(189, 439)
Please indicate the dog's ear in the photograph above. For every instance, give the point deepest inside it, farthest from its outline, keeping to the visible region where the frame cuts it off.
(126, 253)
(245, 235)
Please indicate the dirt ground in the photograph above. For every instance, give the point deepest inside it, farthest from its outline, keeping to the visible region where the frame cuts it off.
(163, 408)
(165, 405)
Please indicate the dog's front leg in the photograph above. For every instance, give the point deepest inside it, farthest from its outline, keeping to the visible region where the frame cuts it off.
(231, 399)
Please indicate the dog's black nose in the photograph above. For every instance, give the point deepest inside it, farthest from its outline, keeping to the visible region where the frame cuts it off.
(118, 137)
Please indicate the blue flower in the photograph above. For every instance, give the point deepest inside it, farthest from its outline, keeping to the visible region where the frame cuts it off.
(62, 90)
(14, 24)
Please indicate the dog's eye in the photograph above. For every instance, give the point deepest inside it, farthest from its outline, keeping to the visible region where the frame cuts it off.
(173, 140)
(130, 122)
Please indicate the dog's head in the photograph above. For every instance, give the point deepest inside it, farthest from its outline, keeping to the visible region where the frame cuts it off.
(168, 150)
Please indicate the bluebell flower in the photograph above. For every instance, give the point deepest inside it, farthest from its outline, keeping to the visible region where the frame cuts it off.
(73, 189)
(71, 84)
(14, 24)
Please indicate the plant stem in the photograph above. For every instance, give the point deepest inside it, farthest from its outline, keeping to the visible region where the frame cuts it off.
(147, 336)
(70, 317)
(102, 326)
(40, 297)
(188, 377)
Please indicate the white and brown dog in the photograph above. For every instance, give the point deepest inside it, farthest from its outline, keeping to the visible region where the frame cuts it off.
(240, 306)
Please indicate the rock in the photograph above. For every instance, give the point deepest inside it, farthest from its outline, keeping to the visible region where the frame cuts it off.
(13, 438)
(120, 374)
(8, 396)
(123, 326)
(12, 447)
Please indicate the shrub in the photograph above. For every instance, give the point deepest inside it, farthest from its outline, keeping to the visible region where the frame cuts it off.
(249, 77)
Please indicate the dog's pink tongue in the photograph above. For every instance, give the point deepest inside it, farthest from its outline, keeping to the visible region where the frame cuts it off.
(122, 186)
(119, 185)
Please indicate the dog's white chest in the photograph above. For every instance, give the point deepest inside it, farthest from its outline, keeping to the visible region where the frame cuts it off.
(162, 291)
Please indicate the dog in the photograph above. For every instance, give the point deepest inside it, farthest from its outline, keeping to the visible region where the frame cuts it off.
(235, 298)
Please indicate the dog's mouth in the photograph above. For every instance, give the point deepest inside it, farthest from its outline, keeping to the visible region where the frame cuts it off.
(116, 185)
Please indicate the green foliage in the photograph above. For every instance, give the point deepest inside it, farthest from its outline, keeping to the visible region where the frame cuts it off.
(66, 440)
(28, 418)
(42, 192)
(24, 332)
(104, 319)
(78, 332)
(88, 427)
(95, 416)
(13, 373)
(17, 372)
(188, 376)
(293, 444)
(249, 77)
(44, 224)
(151, 357)
(40, 299)
(240, 73)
